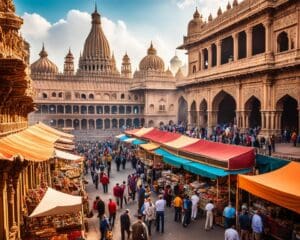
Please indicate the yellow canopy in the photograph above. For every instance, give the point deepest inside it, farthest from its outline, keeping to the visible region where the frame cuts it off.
(149, 146)
(54, 131)
(280, 186)
(142, 131)
(181, 142)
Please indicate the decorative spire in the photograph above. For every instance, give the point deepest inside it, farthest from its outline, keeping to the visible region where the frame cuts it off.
(196, 14)
(69, 63)
(43, 53)
(151, 50)
(228, 6)
(235, 3)
(219, 11)
(95, 7)
(126, 66)
(210, 18)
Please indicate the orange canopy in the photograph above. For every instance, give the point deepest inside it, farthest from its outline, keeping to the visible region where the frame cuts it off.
(280, 187)
(54, 131)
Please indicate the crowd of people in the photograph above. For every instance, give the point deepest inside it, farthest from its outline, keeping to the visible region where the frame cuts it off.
(151, 207)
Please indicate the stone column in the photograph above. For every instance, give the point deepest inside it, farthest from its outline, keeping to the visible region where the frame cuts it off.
(235, 37)
(188, 119)
(209, 51)
(298, 36)
(219, 43)
(272, 116)
(211, 121)
(200, 61)
(11, 209)
(3, 206)
(268, 32)
(17, 199)
(249, 41)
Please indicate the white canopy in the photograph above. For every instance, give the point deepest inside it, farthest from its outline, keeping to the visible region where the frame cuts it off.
(57, 203)
(66, 156)
(129, 140)
(119, 136)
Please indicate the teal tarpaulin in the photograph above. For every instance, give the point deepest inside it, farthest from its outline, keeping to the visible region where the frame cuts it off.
(124, 138)
(267, 164)
(138, 142)
(196, 167)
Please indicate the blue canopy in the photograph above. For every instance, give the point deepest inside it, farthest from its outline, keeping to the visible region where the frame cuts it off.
(138, 142)
(267, 164)
(196, 167)
(123, 138)
(171, 158)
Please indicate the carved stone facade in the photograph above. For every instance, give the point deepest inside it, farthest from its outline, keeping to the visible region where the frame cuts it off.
(245, 65)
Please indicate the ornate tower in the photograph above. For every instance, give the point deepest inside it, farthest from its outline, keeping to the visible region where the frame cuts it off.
(96, 57)
(69, 64)
(126, 67)
(15, 91)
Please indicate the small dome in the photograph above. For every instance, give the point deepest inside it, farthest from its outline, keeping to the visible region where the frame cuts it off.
(195, 24)
(44, 65)
(219, 11)
(126, 59)
(179, 75)
(69, 55)
(169, 73)
(175, 60)
(152, 61)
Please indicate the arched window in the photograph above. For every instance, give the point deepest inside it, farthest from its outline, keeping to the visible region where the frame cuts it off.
(45, 109)
(121, 109)
(75, 109)
(91, 96)
(99, 109)
(45, 95)
(136, 97)
(91, 124)
(91, 110)
(83, 124)
(136, 110)
(99, 123)
(194, 69)
(114, 123)
(106, 109)
(52, 109)
(122, 96)
(83, 96)
(68, 96)
(114, 110)
(136, 122)
(76, 124)
(60, 94)
(53, 94)
(83, 110)
(129, 122)
(60, 123)
(283, 42)
(68, 109)
(151, 108)
(258, 39)
(60, 109)
(106, 123)
(121, 123)
(68, 123)
(162, 108)
(77, 95)
(128, 110)
(52, 123)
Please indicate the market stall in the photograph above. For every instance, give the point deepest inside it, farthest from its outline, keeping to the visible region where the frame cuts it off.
(57, 216)
(280, 188)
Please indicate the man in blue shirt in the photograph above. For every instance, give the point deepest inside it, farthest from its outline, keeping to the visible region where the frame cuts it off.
(229, 215)
(257, 226)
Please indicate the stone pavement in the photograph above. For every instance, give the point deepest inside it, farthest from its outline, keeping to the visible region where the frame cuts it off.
(173, 231)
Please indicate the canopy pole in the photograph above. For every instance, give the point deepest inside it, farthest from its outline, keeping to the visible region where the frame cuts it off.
(217, 188)
(229, 188)
(237, 204)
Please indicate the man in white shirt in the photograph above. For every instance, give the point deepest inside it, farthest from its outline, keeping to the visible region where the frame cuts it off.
(209, 215)
(231, 234)
(195, 200)
(160, 205)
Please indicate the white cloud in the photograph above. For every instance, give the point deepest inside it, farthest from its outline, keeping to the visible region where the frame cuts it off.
(73, 30)
(185, 3)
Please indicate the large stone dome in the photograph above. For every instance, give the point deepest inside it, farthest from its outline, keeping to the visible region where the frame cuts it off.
(44, 65)
(152, 61)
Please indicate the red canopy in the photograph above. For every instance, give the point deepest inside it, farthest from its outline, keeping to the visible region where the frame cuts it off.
(232, 156)
(161, 136)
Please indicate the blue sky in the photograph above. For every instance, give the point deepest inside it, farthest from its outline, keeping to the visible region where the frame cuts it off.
(66, 23)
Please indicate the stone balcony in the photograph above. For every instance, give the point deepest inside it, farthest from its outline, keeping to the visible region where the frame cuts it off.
(257, 63)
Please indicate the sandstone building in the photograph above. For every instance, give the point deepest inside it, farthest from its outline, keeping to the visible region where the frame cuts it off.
(243, 68)
(97, 97)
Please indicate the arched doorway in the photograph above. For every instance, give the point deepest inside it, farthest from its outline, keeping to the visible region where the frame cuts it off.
(91, 124)
(288, 107)
(84, 124)
(182, 110)
(203, 113)
(252, 107)
(151, 123)
(136, 122)
(225, 104)
(193, 114)
(282, 42)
